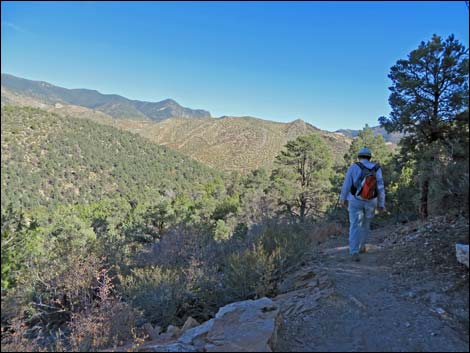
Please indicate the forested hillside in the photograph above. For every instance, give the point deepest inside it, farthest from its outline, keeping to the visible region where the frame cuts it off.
(135, 232)
(238, 144)
(234, 143)
(48, 159)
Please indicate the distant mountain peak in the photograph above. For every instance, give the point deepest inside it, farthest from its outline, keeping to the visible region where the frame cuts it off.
(168, 101)
(297, 122)
(111, 104)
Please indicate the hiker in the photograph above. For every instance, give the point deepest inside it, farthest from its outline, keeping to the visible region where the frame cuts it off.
(362, 186)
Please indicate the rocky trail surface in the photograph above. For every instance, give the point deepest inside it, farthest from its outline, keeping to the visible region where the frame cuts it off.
(388, 301)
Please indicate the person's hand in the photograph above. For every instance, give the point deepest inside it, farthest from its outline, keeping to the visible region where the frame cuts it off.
(382, 209)
(345, 203)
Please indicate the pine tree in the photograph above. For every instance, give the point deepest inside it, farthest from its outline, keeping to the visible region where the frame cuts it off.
(380, 152)
(429, 89)
(303, 176)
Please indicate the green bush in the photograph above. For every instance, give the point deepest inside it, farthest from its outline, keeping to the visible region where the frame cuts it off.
(21, 240)
(222, 231)
(248, 274)
(289, 243)
(159, 293)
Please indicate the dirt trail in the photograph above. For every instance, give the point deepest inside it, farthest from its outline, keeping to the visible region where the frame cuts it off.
(366, 311)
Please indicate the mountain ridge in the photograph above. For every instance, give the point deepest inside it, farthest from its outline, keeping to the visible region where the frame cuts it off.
(227, 143)
(112, 104)
(393, 137)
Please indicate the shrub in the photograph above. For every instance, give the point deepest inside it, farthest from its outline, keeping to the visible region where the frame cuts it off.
(106, 322)
(290, 243)
(60, 280)
(158, 292)
(249, 273)
(14, 339)
(222, 231)
(205, 289)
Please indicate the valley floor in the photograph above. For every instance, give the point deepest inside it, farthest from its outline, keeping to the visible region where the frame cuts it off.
(387, 301)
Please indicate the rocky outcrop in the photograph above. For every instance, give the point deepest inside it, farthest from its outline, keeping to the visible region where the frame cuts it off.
(462, 253)
(247, 326)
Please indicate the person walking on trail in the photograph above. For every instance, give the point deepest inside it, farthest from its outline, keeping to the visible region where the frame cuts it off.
(363, 190)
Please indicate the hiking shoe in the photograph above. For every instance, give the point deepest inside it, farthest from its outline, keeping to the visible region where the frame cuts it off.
(362, 250)
(355, 257)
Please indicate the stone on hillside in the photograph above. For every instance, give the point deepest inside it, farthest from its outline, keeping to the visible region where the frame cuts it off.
(172, 347)
(174, 331)
(196, 335)
(462, 253)
(190, 323)
(247, 326)
(160, 340)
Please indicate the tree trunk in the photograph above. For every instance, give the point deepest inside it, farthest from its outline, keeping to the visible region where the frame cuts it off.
(303, 207)
(424, 198)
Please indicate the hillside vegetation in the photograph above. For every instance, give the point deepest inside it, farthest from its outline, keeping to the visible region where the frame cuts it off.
(137, 233)
(233, 143)
(49, 159)
(238, 144)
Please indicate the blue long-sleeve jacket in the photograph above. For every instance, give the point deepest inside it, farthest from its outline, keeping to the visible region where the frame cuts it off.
(354, 173)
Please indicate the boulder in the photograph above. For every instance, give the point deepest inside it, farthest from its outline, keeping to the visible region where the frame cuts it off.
(161, 340)
(462, 253)
(173, 331)
(196, 335)
(247, 326)
(189, 324)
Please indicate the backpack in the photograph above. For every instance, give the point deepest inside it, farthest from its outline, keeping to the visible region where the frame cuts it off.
(365, 187)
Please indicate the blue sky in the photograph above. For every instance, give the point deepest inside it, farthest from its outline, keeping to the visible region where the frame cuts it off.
(323, 62)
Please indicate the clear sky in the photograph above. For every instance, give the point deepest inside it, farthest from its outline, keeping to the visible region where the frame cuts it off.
(323, 62)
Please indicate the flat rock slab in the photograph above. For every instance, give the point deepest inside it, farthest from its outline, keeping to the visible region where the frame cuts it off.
(248, 326)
